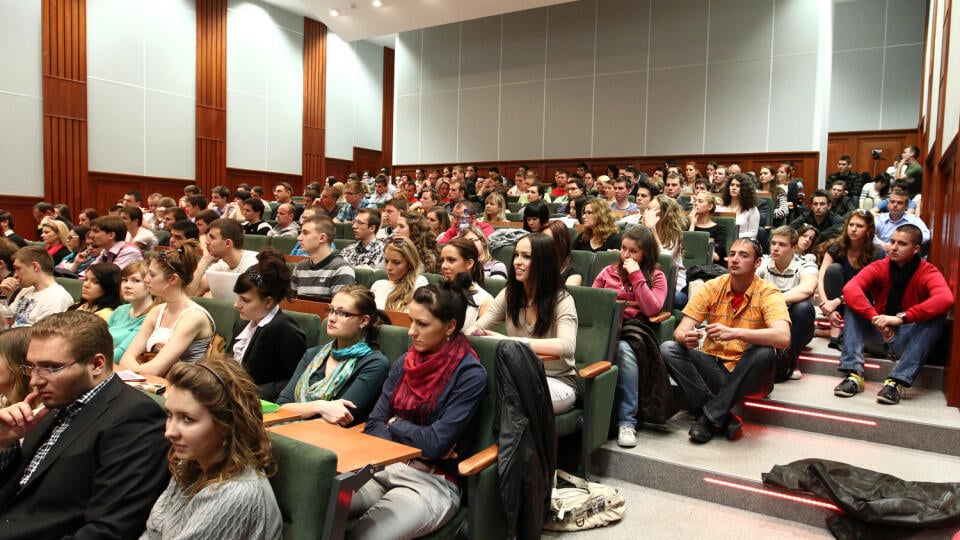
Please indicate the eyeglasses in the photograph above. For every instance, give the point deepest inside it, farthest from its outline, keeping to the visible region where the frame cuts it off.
(44, 371)
(359, 223)
(343, 314)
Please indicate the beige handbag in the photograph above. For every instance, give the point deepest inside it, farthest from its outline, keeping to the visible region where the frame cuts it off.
(577, 504)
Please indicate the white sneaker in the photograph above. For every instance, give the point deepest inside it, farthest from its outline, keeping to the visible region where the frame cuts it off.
(627, 437)
(796, 375)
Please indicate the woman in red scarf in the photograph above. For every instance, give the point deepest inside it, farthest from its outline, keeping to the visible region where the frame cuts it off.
(428, 401)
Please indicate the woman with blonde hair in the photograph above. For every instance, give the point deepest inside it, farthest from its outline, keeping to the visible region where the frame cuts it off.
(177, 329)
(605, 189)
(402, 262)
(491, 267)
(220, 457)
(666, 221)
(127, 319)
(54, 235)
(701, 219)
(600, 232)
(14, 383)
(494, 209)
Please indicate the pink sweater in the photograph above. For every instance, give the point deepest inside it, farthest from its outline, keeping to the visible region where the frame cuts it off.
(649, 300)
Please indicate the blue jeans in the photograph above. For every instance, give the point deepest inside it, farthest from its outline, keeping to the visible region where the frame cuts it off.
(911, 344)
(628, 386)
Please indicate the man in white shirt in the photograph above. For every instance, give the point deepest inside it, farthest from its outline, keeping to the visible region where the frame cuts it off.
(225, 258)
(796, 277)
(143, 237)
(41, 294)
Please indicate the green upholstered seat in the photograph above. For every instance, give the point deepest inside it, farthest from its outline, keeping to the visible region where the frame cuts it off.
(432, 278)
(584, 260)
(223, 313)
(345, 230)
(255, 242)
(309, 323)
(504, 255)
(696, 249)
(367, 277)
(73, 286)
(161, 236)
(494, 285)
(283, 244)
(302, 486)
(730, 224)
(341, 243)
(601, 260)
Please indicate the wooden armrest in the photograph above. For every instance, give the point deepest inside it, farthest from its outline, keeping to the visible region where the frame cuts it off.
(358, 428)
(660, 317)
(594, 370)
(548, 357)
(479, 461)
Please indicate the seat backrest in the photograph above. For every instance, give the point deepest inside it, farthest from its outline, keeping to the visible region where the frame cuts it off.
(73, 286)
(494, 285)
(398, 318)
(597, 314)
(345, 230)
(255, 242)
(504, 255)
(283, 244)
(730, 224)
(768, 218)
(696, 249)
(161, 236)
(601, 260)
(432, 278)
(301, 485)
(670, 271)
(309, 323)
(341, 243)
(223, 313)
(367, 277)
(584, 260)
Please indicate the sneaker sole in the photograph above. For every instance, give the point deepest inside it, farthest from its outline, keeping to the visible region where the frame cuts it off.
(841, 393)
(887, 401)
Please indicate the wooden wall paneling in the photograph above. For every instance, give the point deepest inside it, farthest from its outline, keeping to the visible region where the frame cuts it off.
(859, 144)
(267, 179)
(314, 100)
(211, 121)
(64, 87)
(22, 209)
(338, 168)
(366, 159)
(387, 127)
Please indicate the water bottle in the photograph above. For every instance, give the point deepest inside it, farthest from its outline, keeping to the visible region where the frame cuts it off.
(464, 220)
(6, 314)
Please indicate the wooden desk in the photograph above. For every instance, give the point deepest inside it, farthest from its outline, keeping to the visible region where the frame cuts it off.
(269, 419)
(354, 450)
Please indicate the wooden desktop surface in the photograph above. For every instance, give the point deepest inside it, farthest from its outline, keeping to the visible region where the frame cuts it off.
(354, 449)
(269, 419)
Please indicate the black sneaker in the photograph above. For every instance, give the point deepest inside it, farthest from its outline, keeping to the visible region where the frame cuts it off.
(891, 393)
(850, 386)
(702, 430)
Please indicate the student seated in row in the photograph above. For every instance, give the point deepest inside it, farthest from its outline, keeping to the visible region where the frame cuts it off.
(402, 262)
(325, 272)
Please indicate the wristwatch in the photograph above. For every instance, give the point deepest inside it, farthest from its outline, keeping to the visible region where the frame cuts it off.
(902, 316)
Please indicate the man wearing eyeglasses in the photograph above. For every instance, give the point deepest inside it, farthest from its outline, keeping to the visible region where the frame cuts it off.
(355, 192)
(367, 252)
(746, 319)
(93, 457)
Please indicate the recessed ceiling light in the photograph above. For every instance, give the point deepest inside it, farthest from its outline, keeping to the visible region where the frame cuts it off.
(377, 3)
(334, 12)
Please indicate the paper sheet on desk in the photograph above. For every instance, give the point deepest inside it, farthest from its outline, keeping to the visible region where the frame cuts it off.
(130, 376)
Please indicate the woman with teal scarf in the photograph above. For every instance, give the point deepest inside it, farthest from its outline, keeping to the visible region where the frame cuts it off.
(341, 380)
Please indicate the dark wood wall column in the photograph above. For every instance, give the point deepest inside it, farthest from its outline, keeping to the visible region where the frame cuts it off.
(386, 144)
(64, 36)
(314, 168)
(211, 156)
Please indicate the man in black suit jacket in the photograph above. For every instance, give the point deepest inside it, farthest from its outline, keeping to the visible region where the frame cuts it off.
(93, 459)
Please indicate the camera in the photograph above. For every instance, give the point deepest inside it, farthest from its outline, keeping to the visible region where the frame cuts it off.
(876, 153)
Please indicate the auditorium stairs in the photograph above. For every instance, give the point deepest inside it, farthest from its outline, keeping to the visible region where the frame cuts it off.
(676, 489)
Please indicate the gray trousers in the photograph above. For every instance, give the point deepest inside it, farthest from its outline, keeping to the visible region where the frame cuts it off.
(402, 502)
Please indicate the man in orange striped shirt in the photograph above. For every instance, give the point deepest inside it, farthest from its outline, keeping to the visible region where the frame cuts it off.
(746, 318)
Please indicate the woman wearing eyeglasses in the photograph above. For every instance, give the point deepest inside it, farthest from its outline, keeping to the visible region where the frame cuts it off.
(341, 380)
(219, 458)
(402, 262)
(177, 329)
(843, 259)
(429, 402)
(600, 232)
(266, 341)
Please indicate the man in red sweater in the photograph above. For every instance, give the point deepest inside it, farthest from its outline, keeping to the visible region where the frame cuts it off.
(910, 301)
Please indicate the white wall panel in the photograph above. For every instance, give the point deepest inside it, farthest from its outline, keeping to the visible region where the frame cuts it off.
(21, 108)
(791, 111)
(951, 105)
(675, 110)
(732, 97)
(569, 114)
(264, 87)
(521, 121)
(355, 96)
(141, 87)
(479, 131)
(619, 127)
(439, 120)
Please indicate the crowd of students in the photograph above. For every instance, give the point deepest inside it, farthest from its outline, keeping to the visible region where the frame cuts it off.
(137, 309)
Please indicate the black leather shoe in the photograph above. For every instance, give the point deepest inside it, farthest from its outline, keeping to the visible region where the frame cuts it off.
(702, 430)
(731, 428)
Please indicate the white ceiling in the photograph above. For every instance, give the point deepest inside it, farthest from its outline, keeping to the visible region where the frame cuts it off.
(360, 20)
